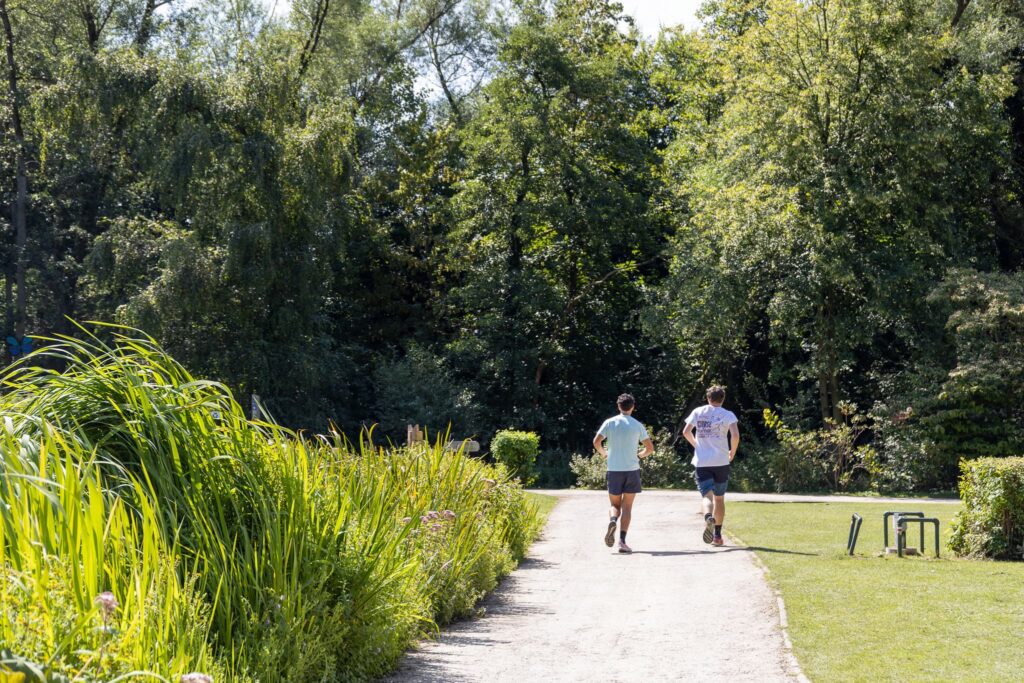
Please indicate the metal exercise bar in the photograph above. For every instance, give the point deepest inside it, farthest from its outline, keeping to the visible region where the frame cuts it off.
(885, 526)
(901, 527)
(851, 542)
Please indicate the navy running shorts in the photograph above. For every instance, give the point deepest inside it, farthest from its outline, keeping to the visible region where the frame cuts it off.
(623, 482)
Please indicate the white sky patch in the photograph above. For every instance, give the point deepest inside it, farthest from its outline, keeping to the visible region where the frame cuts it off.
(650, 15)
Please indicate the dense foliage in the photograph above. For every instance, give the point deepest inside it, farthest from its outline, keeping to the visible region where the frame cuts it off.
(484, 213)
(145, 524)
(517, 451)
(991, 523)
(662, 469)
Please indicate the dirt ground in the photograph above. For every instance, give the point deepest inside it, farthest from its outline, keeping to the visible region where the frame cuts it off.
(575, 610)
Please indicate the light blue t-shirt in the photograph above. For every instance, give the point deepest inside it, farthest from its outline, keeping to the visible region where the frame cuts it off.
(624, 434)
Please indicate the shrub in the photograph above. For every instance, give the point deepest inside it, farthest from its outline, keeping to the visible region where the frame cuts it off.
(589, 471)
(237, 549)
(991, 522)
(828, 458)
(517, 451)
(662, 469)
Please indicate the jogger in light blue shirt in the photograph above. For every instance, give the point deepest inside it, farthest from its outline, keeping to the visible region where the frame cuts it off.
(623, 434)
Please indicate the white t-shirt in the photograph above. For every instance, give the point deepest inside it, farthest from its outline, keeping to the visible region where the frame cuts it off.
(712, 432)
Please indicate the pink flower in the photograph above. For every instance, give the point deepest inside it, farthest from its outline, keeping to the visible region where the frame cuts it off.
(432, 514)
(436, 527)
(195, 678)
(107, 604)
(406, 520)
(448, 514)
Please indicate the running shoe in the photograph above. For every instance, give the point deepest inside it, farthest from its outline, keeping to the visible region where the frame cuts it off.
(609, 537)
(718, 541)
(623, 548)
(709, 529)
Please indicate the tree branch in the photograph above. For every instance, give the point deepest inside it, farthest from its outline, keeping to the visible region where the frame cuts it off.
(961, 7)
(319, 17)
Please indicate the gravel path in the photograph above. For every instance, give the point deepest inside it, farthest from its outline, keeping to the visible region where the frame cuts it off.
(674, 610)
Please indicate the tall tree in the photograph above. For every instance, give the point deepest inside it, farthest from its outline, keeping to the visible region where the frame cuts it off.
(555, 233)
(836, 189)
(20, 207)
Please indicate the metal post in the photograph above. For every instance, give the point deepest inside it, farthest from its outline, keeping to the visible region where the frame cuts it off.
(851, 542)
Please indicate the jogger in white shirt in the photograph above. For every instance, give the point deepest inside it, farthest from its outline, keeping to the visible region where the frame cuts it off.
(713, 433)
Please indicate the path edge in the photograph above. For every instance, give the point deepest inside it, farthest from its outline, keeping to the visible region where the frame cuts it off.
(787, 645)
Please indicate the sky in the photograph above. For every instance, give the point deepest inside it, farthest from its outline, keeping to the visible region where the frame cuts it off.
(650, 15)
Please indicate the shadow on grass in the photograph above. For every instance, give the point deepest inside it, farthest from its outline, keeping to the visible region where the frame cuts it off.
(727, 549)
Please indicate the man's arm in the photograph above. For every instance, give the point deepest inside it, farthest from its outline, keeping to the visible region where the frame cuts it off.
(688, 434)
(648, 448)
(599, 445)
(734, 439)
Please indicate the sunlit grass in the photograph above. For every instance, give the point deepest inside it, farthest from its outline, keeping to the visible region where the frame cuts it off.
(545, 504)
(872, 618)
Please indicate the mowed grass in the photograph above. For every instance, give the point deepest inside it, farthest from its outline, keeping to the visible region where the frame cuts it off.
(874, 618)
(545, 504)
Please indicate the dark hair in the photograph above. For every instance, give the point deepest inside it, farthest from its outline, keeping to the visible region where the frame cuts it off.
(625, 401)
(716, 394)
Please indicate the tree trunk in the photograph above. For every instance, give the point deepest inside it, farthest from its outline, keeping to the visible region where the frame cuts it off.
(145, 26)
(435, 57)
(837, 413)
(21, 198)
(823, 395)
(961, 7)
(8, 300)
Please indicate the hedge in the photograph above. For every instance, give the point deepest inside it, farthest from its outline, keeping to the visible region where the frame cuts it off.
(517, 451)
(991, 523)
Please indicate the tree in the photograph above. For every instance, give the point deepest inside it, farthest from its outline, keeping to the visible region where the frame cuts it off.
(559, 181)
(20, 206)
(835, 189)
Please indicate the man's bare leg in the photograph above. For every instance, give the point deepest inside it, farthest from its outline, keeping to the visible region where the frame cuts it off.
(719, 510)
(614, 510)
(616, 506)
(624, 519)
(708, 505)
(627, 512)
(719, 518)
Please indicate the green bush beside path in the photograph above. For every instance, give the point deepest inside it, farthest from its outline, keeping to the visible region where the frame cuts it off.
(146, 524)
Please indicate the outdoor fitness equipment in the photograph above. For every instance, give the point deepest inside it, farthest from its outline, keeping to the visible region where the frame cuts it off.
(899, 522)
(851, 541)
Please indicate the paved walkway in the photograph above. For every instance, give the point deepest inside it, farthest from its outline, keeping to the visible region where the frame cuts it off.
(674, 610)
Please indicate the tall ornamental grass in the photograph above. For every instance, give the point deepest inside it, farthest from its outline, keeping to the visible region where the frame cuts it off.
(148, 526)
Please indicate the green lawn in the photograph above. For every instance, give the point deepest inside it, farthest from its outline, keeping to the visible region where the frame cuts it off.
(545, 503)
(872, 618)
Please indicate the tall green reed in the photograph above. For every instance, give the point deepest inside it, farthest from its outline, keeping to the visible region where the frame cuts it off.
(308, 559)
